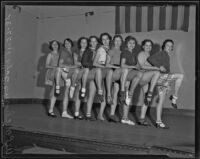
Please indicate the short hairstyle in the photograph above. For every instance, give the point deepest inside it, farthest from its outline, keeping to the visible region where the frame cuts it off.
(69, 40)
(145, 41)
(117, 36)
(79, 41)
(51, 42)
(103, 34)
(128, 38)
(166, 41)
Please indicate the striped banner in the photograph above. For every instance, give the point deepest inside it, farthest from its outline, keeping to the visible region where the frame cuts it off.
(148, 18)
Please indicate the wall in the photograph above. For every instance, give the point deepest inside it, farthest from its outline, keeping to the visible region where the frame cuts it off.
(24, 28)
(31, 37)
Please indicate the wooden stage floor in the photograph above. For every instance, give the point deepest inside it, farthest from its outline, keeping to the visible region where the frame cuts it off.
(176, 141)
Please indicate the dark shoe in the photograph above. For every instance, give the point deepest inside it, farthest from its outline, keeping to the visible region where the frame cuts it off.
(148, 98)
(143, 122)
(90, 118)
(52, 114)
(80, 117)
(161, 125)
(174, 105)
(113, 118)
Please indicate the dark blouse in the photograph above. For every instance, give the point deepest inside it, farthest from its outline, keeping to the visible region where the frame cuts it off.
(160, 58)
(87, 59)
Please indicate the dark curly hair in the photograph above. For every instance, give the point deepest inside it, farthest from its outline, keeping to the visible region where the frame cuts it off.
(118, 36)
(79, 42)
(103, 34)
(128, 38)
(93, 36)
(51, 42)
(145, 41)
(69, 40)
(166, 41)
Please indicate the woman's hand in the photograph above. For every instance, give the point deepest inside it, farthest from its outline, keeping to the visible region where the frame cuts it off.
(162, 69)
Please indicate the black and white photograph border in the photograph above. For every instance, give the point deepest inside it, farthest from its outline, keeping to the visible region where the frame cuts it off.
(28, 127)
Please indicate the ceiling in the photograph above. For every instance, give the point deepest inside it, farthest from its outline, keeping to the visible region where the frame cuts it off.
(64, 11)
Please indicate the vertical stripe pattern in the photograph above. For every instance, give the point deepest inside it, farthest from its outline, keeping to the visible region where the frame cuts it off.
(192, 18)
(185, 24)
(133, 19)
(150, 18)
(168, 17)
(156, 13)
(127, 19)
(122, 19)
(138, 18)
(180, 17)
(174, 17)
(147, 18)
(162, 17)
(117, 20)
(144, 18)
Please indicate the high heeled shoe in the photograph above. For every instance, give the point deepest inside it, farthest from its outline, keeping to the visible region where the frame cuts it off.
(174, 105)
(161, 125)
(52, 114)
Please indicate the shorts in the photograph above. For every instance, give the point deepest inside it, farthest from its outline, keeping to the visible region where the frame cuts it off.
(164, 82)
(50, 77)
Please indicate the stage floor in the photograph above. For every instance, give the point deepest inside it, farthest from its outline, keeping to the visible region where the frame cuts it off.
(180, 136)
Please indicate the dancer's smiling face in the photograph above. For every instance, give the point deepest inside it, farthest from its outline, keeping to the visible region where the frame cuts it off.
(131, 44)
(148, 46)
(169, 47)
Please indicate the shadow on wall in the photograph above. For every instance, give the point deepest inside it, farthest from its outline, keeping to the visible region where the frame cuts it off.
(41, 69)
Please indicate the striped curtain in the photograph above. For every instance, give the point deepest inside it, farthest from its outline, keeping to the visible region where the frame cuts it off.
(148, 18)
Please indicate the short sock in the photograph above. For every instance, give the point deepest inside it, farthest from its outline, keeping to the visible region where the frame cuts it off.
(76, 113)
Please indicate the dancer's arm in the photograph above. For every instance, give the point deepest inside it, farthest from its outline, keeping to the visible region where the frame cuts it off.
(76, 62)
(142, 63)
(124, 65)
(96, 58)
